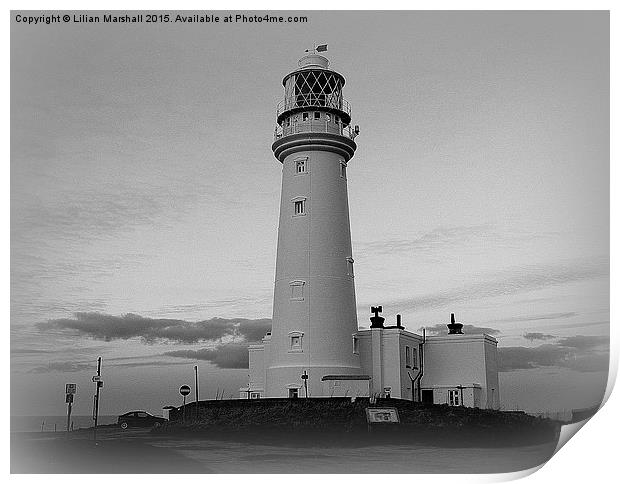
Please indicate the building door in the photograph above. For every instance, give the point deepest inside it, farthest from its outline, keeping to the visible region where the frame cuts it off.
(454, 398)
(427, 396)
(293, 392)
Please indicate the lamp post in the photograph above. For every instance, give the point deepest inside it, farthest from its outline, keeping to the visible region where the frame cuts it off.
(304, 377)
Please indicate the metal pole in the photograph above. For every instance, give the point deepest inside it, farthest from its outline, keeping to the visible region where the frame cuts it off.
(196, 371)
(69, 414)
(184, 409)
(97, 398)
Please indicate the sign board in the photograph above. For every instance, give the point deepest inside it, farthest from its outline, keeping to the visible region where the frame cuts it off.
(69, 398)
(96, 378)
(70, 388)
(382, 415)
(184, 390)
(100, 384)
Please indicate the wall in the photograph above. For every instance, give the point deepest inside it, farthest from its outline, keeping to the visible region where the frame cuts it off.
(461, 360)
(346, 388)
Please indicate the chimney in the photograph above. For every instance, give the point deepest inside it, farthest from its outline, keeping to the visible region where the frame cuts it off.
(376, 320)
(398, 325)
(453, 327)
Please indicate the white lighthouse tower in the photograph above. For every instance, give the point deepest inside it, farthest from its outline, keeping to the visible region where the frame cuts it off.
(314, 311)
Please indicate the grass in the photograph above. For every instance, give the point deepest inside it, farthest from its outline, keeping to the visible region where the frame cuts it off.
(341, 421)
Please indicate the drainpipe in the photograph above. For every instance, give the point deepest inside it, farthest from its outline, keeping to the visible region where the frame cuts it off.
(418, 378)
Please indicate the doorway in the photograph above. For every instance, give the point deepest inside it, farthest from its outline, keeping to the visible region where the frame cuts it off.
(293, 392)
(427, 396)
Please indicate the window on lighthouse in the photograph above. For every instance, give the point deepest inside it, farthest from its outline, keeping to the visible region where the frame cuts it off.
(295, 341)
(300, 207)
(300, 166)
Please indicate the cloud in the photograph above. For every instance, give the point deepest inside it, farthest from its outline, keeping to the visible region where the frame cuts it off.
(107, 328)
(580, 353)
(441, 328)
(537, 336)
(63, 367)
(224, 356)
(507, 282)
(434, 240)
(580, 342)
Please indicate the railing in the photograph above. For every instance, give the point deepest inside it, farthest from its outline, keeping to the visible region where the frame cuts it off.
(314, 127)
(310, 100)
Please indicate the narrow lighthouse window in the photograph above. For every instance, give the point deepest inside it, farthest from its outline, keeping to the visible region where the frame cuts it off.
(343, 169)
(317, 115)
(407, 357)
(304, 117)
(301, 165)
(296, 341)
(297, 290)
(300, 208)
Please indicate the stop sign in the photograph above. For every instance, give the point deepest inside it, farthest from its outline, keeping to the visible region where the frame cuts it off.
(185, 390)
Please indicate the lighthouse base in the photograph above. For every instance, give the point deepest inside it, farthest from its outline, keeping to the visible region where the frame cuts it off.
(316, 381)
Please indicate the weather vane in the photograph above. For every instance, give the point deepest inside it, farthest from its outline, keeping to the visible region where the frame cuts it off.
(317, 48)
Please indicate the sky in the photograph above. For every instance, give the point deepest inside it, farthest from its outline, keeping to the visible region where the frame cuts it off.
(144, 196)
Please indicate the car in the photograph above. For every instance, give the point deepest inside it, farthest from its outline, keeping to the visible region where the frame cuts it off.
(139, 418)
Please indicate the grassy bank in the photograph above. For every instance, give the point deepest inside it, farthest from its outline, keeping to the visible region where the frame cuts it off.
(341, 421)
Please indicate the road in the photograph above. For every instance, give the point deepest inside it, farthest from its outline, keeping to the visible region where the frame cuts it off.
(141, 451)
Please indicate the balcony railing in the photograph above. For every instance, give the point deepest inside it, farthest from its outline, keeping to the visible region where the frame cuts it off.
(311, 100)
(314, 127)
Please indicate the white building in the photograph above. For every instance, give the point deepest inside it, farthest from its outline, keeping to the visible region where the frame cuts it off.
(315, 348)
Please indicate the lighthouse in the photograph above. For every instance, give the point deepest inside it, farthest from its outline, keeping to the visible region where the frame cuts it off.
(314, 310)
(315, 348)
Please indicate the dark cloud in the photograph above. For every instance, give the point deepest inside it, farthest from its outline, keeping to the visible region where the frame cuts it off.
(224, 356)
(538, 336)
(441, 328)
(106, 327)
(580, 353)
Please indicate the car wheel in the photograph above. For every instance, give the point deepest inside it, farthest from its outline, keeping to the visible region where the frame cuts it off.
(124, 425)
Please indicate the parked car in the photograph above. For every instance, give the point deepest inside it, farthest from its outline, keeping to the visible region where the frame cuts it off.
(139, 418)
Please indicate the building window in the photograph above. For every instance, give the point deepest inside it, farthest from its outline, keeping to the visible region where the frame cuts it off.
(328, 117)
(301, 165)
(407, 357)
(454, 398)
(293, 392)
(296, 342)
(350, 266)
(356, 345)
(317, 115)
(337, 118)
(297, 290)
(288, 122)
(300, 207)
(414, 358)
(343, 169)
(254, 395)
(304, 116)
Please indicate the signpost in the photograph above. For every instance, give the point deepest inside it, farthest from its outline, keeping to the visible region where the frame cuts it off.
(97, 381)
(184, 390)
(70, 390)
